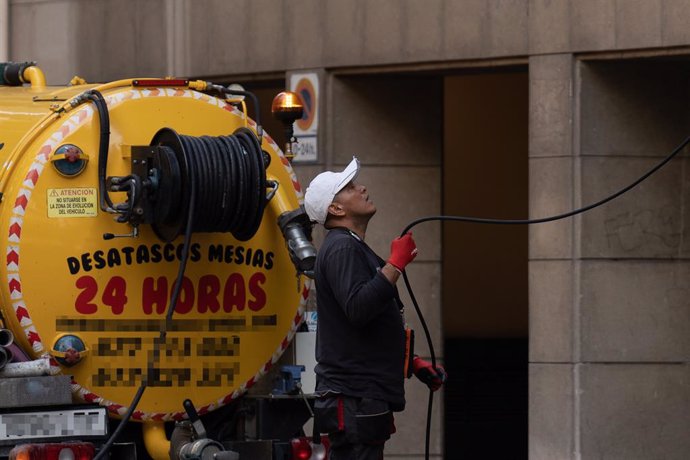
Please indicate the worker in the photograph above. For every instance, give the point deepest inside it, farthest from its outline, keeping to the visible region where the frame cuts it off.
(361, 338)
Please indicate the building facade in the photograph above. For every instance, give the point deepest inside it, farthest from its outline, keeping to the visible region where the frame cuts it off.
(569, 339)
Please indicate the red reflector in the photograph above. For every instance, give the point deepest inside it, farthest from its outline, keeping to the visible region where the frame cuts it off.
(79, 450)
(160, 82)
(301, 450)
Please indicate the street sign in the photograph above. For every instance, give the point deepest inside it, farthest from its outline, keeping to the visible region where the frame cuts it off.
(306, 128)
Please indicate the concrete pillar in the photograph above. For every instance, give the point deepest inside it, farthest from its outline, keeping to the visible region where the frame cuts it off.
(4, 30)
(634, 378)
(178, 51)
(56, 56)
(551, 261)
(100, 41)
(609, 343)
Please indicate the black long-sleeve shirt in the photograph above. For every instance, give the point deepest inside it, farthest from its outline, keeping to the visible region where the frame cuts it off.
(360, 336)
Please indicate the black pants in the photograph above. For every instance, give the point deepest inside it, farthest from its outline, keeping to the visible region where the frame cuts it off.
(358, 428)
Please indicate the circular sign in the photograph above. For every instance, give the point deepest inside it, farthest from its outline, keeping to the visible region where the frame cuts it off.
(306, 91)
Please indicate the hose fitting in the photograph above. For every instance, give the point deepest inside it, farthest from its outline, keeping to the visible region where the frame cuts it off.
(296, 230)
(200, 85)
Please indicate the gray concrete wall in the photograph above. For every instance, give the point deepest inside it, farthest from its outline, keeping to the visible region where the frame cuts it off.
(609, 346)
(108, 39)
(553, 427)
(633, 324)
(97, 40)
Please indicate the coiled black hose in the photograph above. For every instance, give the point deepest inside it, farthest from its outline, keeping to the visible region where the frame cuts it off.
(229, 179)
(229, 173)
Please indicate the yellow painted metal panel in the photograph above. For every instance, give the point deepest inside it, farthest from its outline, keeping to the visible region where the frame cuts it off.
(240, 300)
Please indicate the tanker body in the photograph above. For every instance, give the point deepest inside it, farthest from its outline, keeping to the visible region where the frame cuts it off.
(118, 201)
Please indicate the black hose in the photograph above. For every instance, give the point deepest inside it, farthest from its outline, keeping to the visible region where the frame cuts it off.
(480, 220)
(229, 180)
(430, 404)
(121, 426)
(103, 145)
(168, 319)
(255, 101)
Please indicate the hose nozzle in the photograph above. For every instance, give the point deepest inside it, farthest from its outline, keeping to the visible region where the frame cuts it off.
(296, 229)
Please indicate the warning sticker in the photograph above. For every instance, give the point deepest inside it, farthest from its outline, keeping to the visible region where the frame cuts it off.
(72, 202)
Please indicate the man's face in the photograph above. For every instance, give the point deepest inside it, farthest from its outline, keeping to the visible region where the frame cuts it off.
(355, 200)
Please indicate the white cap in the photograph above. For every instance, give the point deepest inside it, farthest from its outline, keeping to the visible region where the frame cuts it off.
(324, 187)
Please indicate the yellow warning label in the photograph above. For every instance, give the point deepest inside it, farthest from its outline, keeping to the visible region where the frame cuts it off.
(72, 202)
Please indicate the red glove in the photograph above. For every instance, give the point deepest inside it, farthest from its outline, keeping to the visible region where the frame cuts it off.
(432, 376)
(403, 251)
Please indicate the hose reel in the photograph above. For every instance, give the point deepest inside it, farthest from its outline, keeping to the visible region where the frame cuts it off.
(228, 173)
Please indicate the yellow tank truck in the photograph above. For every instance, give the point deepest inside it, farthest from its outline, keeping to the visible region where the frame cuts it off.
(118, 201)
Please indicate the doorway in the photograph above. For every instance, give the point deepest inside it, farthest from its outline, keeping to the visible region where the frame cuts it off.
(484, 267)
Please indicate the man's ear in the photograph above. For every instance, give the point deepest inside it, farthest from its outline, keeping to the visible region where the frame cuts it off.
(336, 209)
